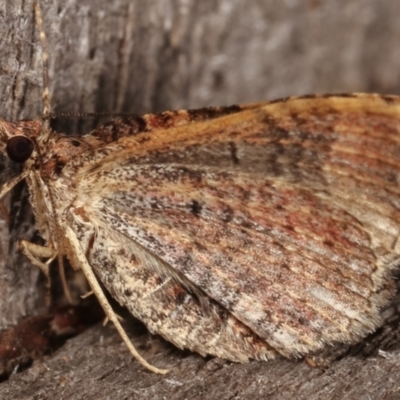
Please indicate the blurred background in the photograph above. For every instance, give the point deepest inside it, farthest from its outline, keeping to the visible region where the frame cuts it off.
(150, 55)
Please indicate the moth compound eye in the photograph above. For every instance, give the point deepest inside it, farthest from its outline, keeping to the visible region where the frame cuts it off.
(19, 148)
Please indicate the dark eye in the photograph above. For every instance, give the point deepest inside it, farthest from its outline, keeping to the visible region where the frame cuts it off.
(19, 148)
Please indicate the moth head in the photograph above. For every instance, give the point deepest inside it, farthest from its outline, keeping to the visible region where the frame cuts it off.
(17, 139)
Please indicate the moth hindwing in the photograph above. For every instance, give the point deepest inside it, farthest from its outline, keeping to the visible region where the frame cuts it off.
(243, 232)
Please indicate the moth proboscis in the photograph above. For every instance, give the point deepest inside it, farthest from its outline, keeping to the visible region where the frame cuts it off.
(244, 232)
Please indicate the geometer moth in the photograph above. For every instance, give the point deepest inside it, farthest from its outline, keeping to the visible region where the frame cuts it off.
(243, 232)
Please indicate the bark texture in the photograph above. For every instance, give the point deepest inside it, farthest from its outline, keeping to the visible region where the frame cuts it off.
(150, 55)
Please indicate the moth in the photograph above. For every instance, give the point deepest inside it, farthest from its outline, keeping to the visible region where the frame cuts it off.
(244, 232)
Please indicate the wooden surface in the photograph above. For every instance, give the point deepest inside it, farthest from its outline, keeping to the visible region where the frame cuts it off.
(151, 55)
(96, 365)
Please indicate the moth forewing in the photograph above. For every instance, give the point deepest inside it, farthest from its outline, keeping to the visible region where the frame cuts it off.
(286, 260)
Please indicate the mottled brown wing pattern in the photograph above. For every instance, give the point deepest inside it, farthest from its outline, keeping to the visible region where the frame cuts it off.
(244, 232)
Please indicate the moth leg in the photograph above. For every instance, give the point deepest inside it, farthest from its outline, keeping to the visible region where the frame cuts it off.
(33, 252)
(64, 284)
(80, 259)
(106, 319)
(10, 184)
(87, 294)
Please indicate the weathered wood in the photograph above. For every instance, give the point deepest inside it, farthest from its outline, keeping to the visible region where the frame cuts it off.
(150, 55)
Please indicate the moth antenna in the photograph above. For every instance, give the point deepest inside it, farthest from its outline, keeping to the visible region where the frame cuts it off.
(91, 115)
(125, 54)
(45, 61)
(46, 100)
